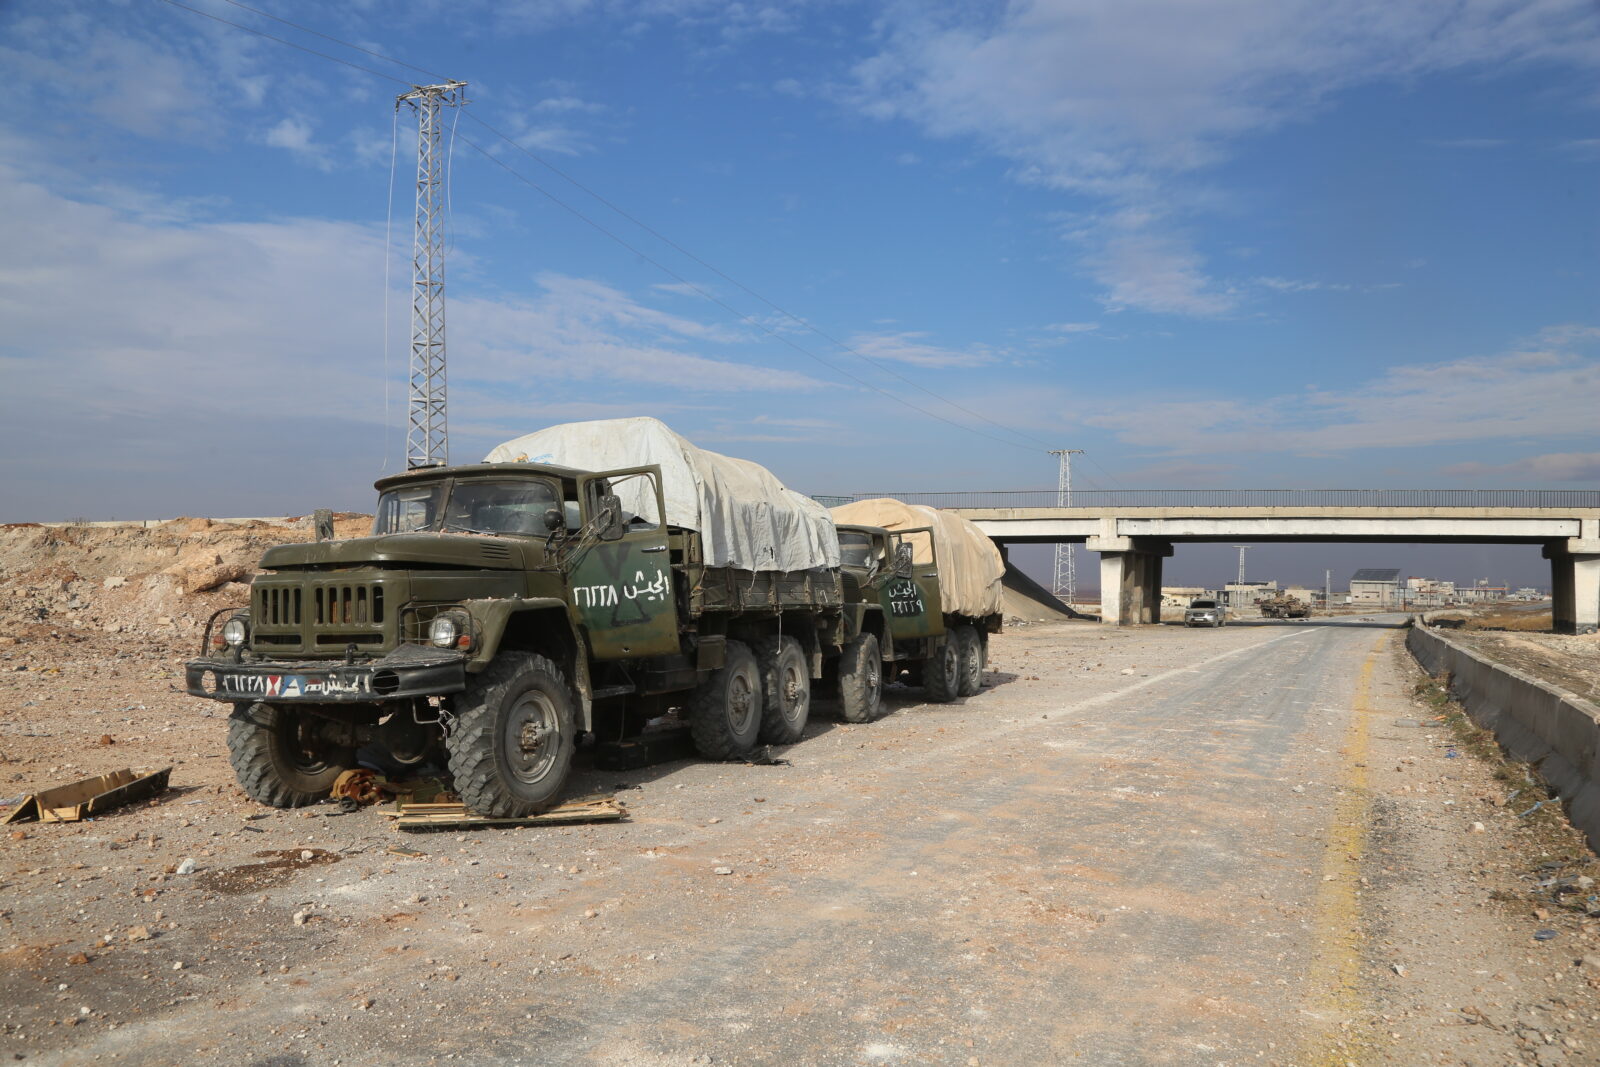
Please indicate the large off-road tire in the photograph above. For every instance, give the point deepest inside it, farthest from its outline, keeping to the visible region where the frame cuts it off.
(278, 757)
(512, 739)
(861, 680)
(785, 690)
(969, 660)
(725, 711)
(941, 671)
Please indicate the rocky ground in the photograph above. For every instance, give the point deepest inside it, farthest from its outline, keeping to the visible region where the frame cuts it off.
(1398, 894)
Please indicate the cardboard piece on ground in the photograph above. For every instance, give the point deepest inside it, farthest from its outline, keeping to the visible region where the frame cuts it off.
(597, 807)
(91, 796)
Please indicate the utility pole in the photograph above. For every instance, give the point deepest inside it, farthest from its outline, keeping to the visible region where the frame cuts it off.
(1239, 592)
(1066, 576)
(428, 439)
(1327, 588)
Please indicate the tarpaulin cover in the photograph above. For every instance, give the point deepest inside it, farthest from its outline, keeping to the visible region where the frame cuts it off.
(970, 567)
(747, 518)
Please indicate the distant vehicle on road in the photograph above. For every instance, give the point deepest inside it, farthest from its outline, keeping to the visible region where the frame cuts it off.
(1203, 611)
(1283, 606)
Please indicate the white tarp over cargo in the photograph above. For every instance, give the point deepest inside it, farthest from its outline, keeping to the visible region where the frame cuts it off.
(970, 567)
(747, 518)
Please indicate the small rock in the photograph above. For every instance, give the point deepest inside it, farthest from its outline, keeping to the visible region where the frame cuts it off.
(714, 819)
(1126, 670)
(1478, 828)
(1545, 935)
(1298, 789)
(1590, 963)
(178, 966)
(300, 918)
(114, 582)
(722, 870)
(19, 835)
(364, 1004)
(590, 914)
(185, 866)
(307, 854)
(140, 933)
(1401, 971)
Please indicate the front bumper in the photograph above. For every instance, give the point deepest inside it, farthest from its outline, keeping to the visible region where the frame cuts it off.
(408, 671)
(1199, 620)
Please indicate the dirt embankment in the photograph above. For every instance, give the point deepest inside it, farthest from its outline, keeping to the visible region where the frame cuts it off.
(63, 582)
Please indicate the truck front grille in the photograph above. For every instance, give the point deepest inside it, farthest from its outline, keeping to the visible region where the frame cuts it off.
(347, 605)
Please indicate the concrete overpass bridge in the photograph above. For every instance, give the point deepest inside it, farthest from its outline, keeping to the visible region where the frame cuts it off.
(1134, 530)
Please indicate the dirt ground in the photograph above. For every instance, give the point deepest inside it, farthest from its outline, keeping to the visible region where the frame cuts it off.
(1569, 662)
(1269, 843)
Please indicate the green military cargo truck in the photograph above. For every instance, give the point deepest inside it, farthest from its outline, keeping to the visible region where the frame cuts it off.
(899, 618)
(500, 610)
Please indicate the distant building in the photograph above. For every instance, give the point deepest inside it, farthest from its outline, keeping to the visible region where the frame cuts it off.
(1375, 585)
(1245, 594)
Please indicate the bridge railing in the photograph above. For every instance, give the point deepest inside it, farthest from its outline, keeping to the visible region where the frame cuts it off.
(1246, 498)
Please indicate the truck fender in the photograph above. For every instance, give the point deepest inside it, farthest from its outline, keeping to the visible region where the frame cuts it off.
(564, 644)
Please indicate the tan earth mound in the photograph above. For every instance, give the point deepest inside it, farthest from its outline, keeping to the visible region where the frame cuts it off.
(166, 578)
(1026, 601)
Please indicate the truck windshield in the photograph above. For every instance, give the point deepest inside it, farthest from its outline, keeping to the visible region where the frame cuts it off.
(855, 549)
(487, 505)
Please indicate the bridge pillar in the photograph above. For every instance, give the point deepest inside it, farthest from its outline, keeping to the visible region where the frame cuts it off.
(1130, 579)
(1575, 590)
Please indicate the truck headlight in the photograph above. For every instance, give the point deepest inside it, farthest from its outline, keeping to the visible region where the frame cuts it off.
(234, 632)
(444, 630)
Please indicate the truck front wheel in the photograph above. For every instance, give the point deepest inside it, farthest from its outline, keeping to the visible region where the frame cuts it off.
(513, 736)
(786, 690)
(861, 680)
(969, 660)
(279, 756)
(725, 711)
(941, 671)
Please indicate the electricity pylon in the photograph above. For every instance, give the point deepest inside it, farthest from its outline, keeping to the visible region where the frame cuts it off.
(1066, 575)
(428, 439)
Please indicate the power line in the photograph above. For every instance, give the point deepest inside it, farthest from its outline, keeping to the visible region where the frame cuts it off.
(335, 40)
(291, 44)
(637, 222)
(730, 309)
(675, 246)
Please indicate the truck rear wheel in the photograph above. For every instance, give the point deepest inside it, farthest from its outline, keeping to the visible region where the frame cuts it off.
(861, 680)
(785, 690)
(941, 671)
(725, 711)
(513, 736)
(969, 659)
(279, 757)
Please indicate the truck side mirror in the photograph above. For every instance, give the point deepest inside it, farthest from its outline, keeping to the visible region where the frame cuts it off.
(902, 560)
(553, 520)
(611, 525)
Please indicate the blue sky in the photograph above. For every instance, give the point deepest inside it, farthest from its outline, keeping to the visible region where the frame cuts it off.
(1245, 243)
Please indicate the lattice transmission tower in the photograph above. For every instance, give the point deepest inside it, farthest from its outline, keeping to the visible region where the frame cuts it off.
(428, 438)
(1066, 576)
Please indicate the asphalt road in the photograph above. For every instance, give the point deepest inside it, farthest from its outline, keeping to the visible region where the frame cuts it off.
(1134, 847)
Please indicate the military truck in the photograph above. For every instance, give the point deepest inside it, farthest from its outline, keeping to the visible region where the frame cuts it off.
(501, 609)
(922, 592)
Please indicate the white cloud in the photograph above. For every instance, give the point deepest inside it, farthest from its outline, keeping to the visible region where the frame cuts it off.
(294, 136)
(1073, 327)
(911, 348)
(1551, 468)
(132, 335)
(1114, 98)
(1541, 390)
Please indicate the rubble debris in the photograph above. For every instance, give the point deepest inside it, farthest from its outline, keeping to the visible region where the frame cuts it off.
(90, 796)
(597, 807)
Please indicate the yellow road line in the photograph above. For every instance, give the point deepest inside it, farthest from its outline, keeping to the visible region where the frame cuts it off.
(1335, 995)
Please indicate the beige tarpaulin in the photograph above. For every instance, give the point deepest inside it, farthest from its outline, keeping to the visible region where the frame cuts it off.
(747, 518)
(970, 567)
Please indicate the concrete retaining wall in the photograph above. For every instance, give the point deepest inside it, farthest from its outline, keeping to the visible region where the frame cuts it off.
(1556, 731)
